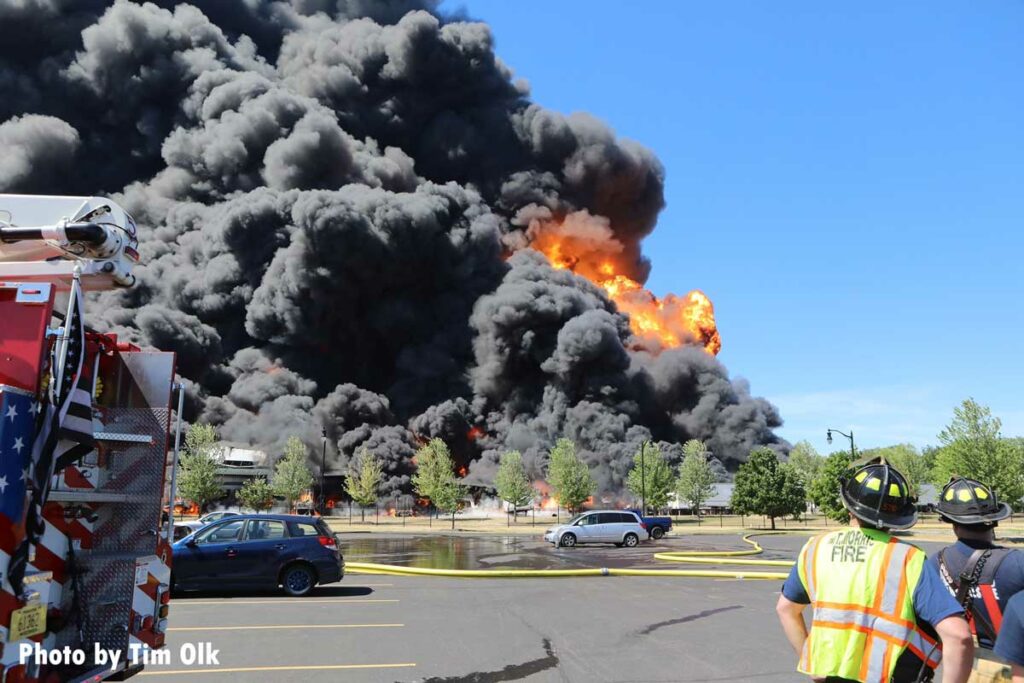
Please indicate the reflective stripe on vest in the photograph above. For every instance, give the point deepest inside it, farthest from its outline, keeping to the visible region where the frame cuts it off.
(879, 622)
(810, 580)
(894, 630)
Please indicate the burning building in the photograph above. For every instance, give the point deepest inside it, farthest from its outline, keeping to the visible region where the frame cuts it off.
(357, 221)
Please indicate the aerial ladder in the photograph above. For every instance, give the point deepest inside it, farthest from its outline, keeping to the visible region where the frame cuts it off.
(90, 526)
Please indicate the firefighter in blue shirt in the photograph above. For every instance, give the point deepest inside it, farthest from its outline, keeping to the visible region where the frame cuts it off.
(983, 575)
(1010, 643)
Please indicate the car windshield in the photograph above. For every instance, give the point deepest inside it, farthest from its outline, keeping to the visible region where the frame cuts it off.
(574, 520)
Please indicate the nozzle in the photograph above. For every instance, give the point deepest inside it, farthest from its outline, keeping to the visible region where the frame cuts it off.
(87, 233)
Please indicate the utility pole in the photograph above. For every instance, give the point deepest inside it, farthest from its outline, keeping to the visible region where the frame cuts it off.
(323, 472)
(643, 479)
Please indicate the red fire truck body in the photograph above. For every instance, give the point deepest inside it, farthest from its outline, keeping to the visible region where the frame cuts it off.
(98, 576)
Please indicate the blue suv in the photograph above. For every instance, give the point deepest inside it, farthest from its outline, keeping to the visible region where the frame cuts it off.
(258, 551)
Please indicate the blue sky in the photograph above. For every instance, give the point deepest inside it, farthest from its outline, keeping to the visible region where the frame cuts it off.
(844, 182)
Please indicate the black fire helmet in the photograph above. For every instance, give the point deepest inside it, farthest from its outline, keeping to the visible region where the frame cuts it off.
(876, 493)
(967, 501)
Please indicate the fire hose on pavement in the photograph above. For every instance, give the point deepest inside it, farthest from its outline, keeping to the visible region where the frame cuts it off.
(716, 557)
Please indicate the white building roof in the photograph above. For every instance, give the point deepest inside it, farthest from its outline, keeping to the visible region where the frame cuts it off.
(240, 455)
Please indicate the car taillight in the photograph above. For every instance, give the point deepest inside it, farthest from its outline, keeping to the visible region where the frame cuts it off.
(327, 542)
(643, 525)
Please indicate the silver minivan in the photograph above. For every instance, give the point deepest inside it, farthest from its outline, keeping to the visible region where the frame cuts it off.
(620, 527)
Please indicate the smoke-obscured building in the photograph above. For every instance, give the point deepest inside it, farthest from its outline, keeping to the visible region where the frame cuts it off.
(717, 503)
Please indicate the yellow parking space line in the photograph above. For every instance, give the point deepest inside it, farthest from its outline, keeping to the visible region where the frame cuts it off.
(283, 601)
(279, 627)
(257, 669)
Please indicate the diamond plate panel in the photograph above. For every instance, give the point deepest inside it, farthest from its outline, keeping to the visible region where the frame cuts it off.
(107, 591)
(136, 469)
(105, 602)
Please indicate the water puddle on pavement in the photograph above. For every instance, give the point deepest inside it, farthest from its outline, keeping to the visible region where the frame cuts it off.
(439, 551)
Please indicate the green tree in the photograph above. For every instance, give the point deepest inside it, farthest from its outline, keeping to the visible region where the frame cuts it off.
(696, 482)
(569, 477)
(197, 478)
(513, 485)
(449, 497)
(908, 460)
(653, 482)
(435, 477)
(824, 490)
(764, 486)
(972, 446)
(363, 481)
(292, 477)
(806, 461)
(929, 455)
(257, 494)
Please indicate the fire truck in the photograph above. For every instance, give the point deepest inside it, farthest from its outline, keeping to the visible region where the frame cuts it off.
(85, 424)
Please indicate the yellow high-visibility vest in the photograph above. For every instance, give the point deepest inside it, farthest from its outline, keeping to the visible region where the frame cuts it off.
(861, 584)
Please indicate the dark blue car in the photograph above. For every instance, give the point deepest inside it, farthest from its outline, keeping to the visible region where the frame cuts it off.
(258, 551)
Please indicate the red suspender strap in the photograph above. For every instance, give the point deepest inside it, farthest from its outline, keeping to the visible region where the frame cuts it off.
(992, 606)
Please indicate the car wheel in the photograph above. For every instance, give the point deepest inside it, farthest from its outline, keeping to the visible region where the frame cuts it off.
(568, 541)
(657, 533)
(631, 540)
(298, 580)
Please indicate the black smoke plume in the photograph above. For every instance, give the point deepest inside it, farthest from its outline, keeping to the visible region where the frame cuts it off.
(335, 199)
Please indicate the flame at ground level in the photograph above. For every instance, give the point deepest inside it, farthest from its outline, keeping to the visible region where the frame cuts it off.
(544, 500)
(585, 245)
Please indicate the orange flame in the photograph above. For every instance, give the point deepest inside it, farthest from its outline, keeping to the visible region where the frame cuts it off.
(586, 245)
(474, 433)
(547, 501)
(182, 507)
(462, 470)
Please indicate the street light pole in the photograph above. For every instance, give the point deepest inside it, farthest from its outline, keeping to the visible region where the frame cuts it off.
(643, 479)
(828, 438)
(323, 472)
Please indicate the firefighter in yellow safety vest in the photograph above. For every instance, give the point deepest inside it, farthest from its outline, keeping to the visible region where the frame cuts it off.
(878, 611)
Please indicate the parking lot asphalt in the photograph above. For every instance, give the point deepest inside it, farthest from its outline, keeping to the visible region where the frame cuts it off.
(441, 630)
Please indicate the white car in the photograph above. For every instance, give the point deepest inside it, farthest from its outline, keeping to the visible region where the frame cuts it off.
(621, 527)
(208, 518)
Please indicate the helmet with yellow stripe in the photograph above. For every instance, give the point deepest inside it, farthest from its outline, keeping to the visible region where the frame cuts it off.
(877, 494)
(968, 501)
